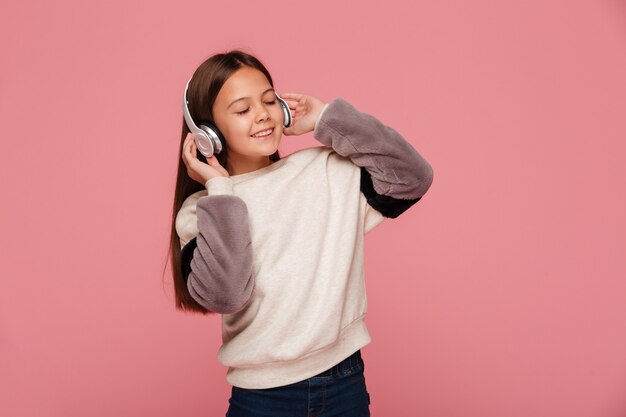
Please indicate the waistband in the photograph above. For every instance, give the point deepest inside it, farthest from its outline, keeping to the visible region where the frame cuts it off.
(279, 373)
(346, 364)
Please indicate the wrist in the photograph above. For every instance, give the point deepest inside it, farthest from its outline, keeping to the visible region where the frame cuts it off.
(319, 116)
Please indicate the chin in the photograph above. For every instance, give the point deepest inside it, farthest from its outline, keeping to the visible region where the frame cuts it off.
(273, 151)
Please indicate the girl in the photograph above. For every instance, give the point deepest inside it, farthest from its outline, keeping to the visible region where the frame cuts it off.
(276, 244)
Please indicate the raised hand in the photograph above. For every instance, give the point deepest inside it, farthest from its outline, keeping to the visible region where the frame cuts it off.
(305, 110)
(196, 169)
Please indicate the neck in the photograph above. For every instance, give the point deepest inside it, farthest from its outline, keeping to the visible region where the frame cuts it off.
(243, 165)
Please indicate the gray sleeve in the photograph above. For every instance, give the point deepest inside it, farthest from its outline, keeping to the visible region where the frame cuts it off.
(394, 175)
(220, 276)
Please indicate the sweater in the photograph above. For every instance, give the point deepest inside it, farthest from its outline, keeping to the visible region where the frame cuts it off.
(279, 251)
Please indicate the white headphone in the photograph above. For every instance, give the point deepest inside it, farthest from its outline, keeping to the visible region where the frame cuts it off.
(208, 137)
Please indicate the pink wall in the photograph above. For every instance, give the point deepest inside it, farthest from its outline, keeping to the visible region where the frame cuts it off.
(501, 293)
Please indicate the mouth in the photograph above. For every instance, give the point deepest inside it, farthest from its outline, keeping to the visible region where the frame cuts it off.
(264, 134)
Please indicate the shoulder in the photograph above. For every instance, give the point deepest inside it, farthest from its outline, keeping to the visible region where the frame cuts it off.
(308, 154)
(318, 158)
(322, 154)
(193, 198)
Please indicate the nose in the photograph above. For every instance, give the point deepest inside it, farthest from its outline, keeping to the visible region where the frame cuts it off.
(263, 115)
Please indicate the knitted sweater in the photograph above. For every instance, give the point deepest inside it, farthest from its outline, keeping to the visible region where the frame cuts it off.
(279, 251)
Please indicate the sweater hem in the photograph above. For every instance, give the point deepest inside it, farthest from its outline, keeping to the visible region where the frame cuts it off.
(277, 374)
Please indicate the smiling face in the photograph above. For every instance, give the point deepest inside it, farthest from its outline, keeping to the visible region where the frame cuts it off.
(245, 105)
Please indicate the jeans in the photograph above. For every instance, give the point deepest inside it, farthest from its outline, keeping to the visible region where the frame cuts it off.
(338, 391)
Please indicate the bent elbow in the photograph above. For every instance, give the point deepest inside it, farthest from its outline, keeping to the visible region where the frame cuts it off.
(424, 179)
(419, 181)
(233, 308)
(224, 302)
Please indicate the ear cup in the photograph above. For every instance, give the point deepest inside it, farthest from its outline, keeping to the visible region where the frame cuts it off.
(204, 143)
(209, 140)
(286, 112)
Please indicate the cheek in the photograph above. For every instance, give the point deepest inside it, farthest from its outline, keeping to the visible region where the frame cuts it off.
(240, 126)
(277, 114)
(235, 132)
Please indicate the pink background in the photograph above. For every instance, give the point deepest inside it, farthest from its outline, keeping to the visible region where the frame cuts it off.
(501, 293)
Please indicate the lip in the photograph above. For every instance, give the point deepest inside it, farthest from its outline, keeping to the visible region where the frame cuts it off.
(261, 130)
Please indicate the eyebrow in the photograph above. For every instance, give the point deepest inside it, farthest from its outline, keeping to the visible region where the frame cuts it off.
(243, 98)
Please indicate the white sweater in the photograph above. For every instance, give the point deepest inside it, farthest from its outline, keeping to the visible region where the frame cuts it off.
(279, 251)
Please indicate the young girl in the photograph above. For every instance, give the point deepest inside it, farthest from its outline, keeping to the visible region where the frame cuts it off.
(276, 244)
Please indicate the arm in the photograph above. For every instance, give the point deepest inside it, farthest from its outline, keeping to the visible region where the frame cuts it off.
(217, 263)
(394, 176)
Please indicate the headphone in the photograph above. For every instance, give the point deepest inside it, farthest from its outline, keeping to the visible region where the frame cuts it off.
(208, 137)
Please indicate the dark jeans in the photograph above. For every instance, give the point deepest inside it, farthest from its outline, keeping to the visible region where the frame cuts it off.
(338, 391)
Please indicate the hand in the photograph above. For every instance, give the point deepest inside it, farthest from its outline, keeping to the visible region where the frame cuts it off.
(196, 169)
(304, 110)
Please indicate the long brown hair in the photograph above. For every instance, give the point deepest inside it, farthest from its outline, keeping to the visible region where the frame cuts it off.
(205, 84)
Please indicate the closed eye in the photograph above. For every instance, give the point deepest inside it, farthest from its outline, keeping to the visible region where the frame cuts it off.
(246, 110)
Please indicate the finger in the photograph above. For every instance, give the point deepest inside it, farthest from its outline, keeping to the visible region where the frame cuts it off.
(213, 161)
(292, 104)
(188, 138)
(189, 149)
(184, 156)
(185, 148)
(295, 96)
